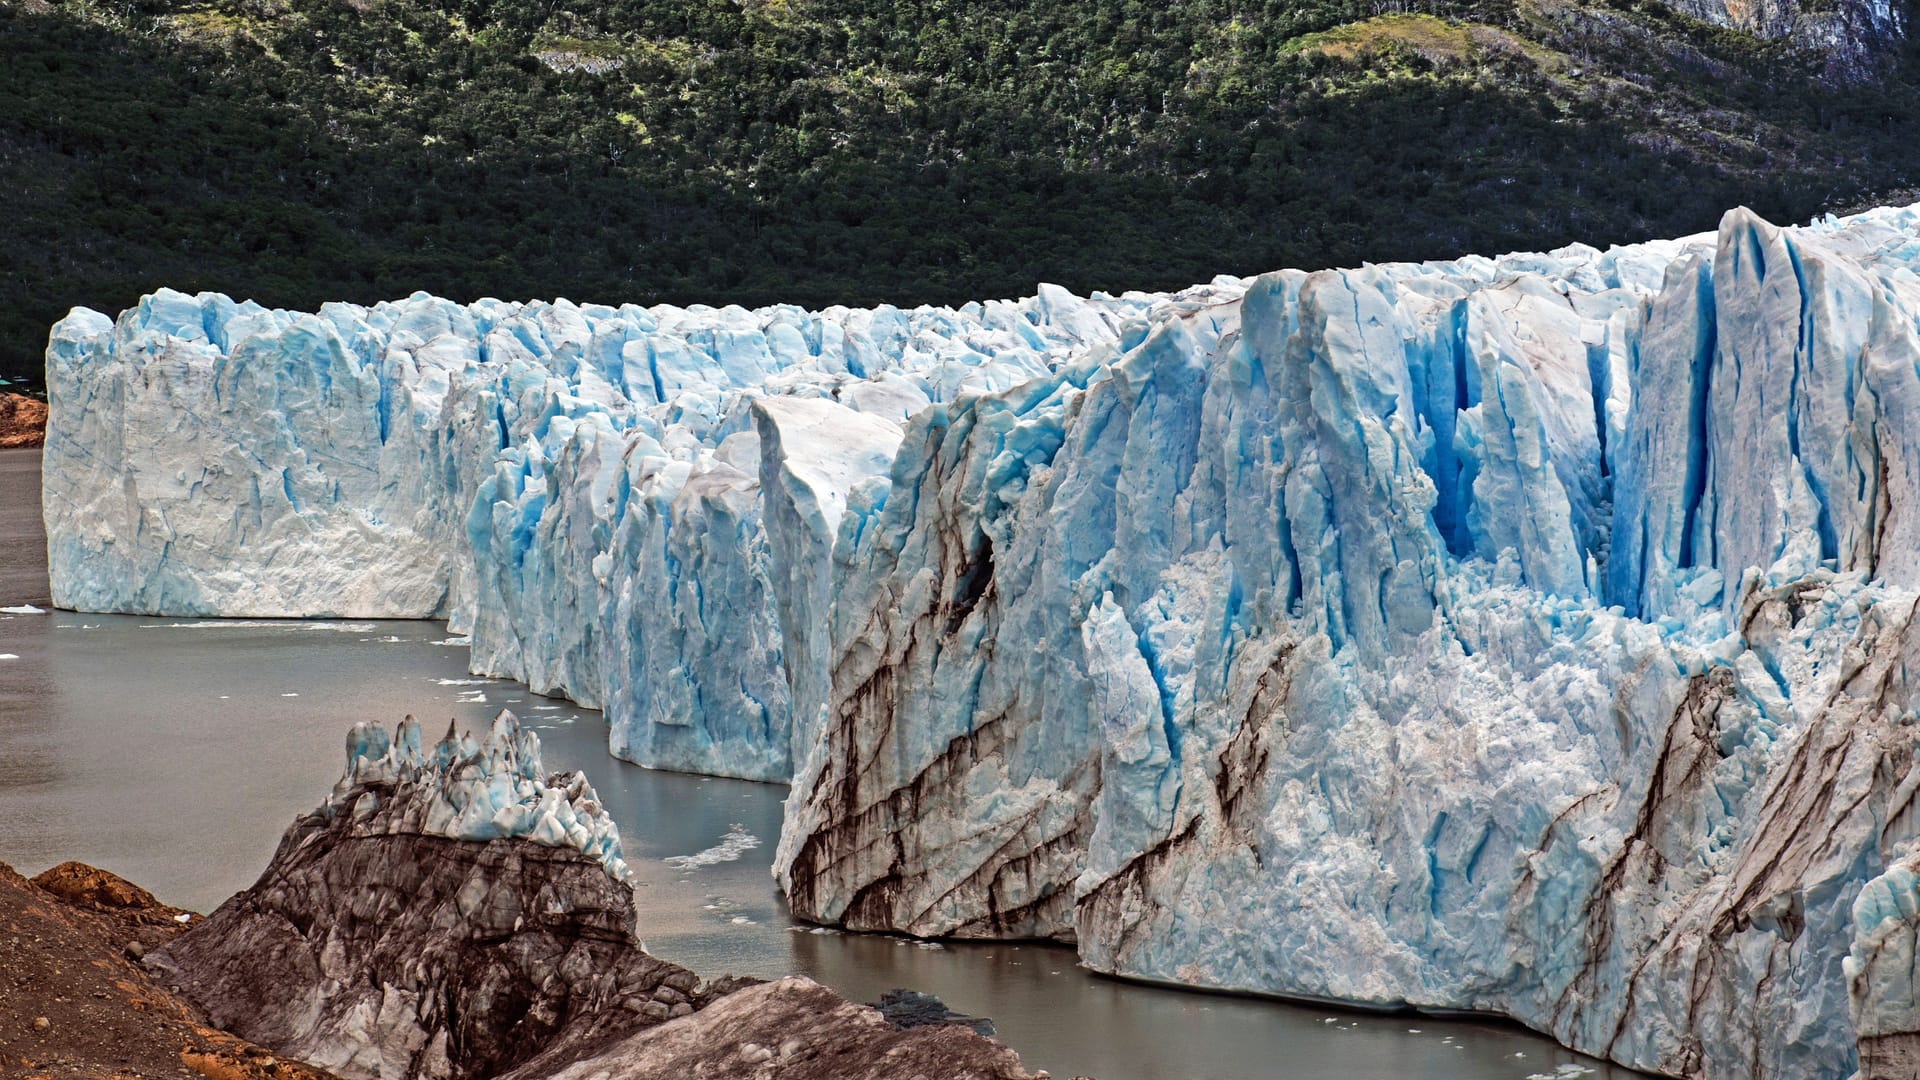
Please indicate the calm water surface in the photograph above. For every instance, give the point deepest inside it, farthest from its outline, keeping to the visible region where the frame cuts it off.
(175, 751)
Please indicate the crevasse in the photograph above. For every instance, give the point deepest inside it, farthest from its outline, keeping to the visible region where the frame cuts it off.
(1526, 634)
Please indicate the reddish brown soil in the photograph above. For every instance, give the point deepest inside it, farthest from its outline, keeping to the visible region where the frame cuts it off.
(75, 1004)
(23, 421)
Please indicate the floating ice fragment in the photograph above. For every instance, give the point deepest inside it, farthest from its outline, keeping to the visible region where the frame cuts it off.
(289, 625)
(22, 609)
(737, 842)
(1570, 1069)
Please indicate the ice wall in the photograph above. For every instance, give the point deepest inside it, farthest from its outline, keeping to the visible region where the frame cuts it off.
(579, 487)
(1526, 634)
(1530, 635)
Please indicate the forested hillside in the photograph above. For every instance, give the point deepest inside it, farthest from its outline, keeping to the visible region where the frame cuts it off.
(853, 151)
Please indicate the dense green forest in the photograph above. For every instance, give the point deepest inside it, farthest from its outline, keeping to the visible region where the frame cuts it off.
(854, 151)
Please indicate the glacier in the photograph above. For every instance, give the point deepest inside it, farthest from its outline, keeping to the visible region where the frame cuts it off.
(577, 487)
(1528, 635)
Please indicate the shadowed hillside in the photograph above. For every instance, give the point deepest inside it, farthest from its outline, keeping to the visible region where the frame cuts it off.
(822, 151)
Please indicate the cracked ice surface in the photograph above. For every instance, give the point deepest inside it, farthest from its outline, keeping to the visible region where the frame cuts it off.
(492, 789)
(1527, 634)
(577, 487)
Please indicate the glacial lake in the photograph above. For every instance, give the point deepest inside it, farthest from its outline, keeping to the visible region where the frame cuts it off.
(175, 751)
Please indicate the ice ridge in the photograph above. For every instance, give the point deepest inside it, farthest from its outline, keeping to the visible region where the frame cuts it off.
(492, 789)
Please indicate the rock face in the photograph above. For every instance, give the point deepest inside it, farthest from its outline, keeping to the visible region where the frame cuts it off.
(793, 1029)
(92, 889)
(73, 1003)
(1853, 35)
(1529, 634)
(453, 912)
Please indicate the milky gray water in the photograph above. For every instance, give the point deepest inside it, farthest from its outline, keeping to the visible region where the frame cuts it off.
(174, 751)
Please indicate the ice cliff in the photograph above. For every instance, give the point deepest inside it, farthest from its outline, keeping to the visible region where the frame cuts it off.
(1537, 631)
(580, 487)
(1526, 634)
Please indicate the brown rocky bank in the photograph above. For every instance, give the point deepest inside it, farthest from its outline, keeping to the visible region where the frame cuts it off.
(75, 1004)
(23, 421)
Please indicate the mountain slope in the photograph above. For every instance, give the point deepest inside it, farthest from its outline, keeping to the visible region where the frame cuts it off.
(852, 151)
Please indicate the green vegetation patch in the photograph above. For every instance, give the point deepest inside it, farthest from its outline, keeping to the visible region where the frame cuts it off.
(1431, 37)
(855, 151)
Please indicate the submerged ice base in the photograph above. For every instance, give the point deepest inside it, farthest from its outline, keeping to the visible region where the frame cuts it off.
(1528, 635)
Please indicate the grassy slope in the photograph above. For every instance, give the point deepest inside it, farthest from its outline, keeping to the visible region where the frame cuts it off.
(858, 150)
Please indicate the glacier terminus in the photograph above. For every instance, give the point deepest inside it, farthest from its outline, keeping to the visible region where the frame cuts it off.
(1535, 635)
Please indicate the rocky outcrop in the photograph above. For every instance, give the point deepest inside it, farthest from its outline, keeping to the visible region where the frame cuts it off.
(453, 912)
(23, 421)
(792, 1029)
(911, 1009)
(1853, 35)
(93, 889)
